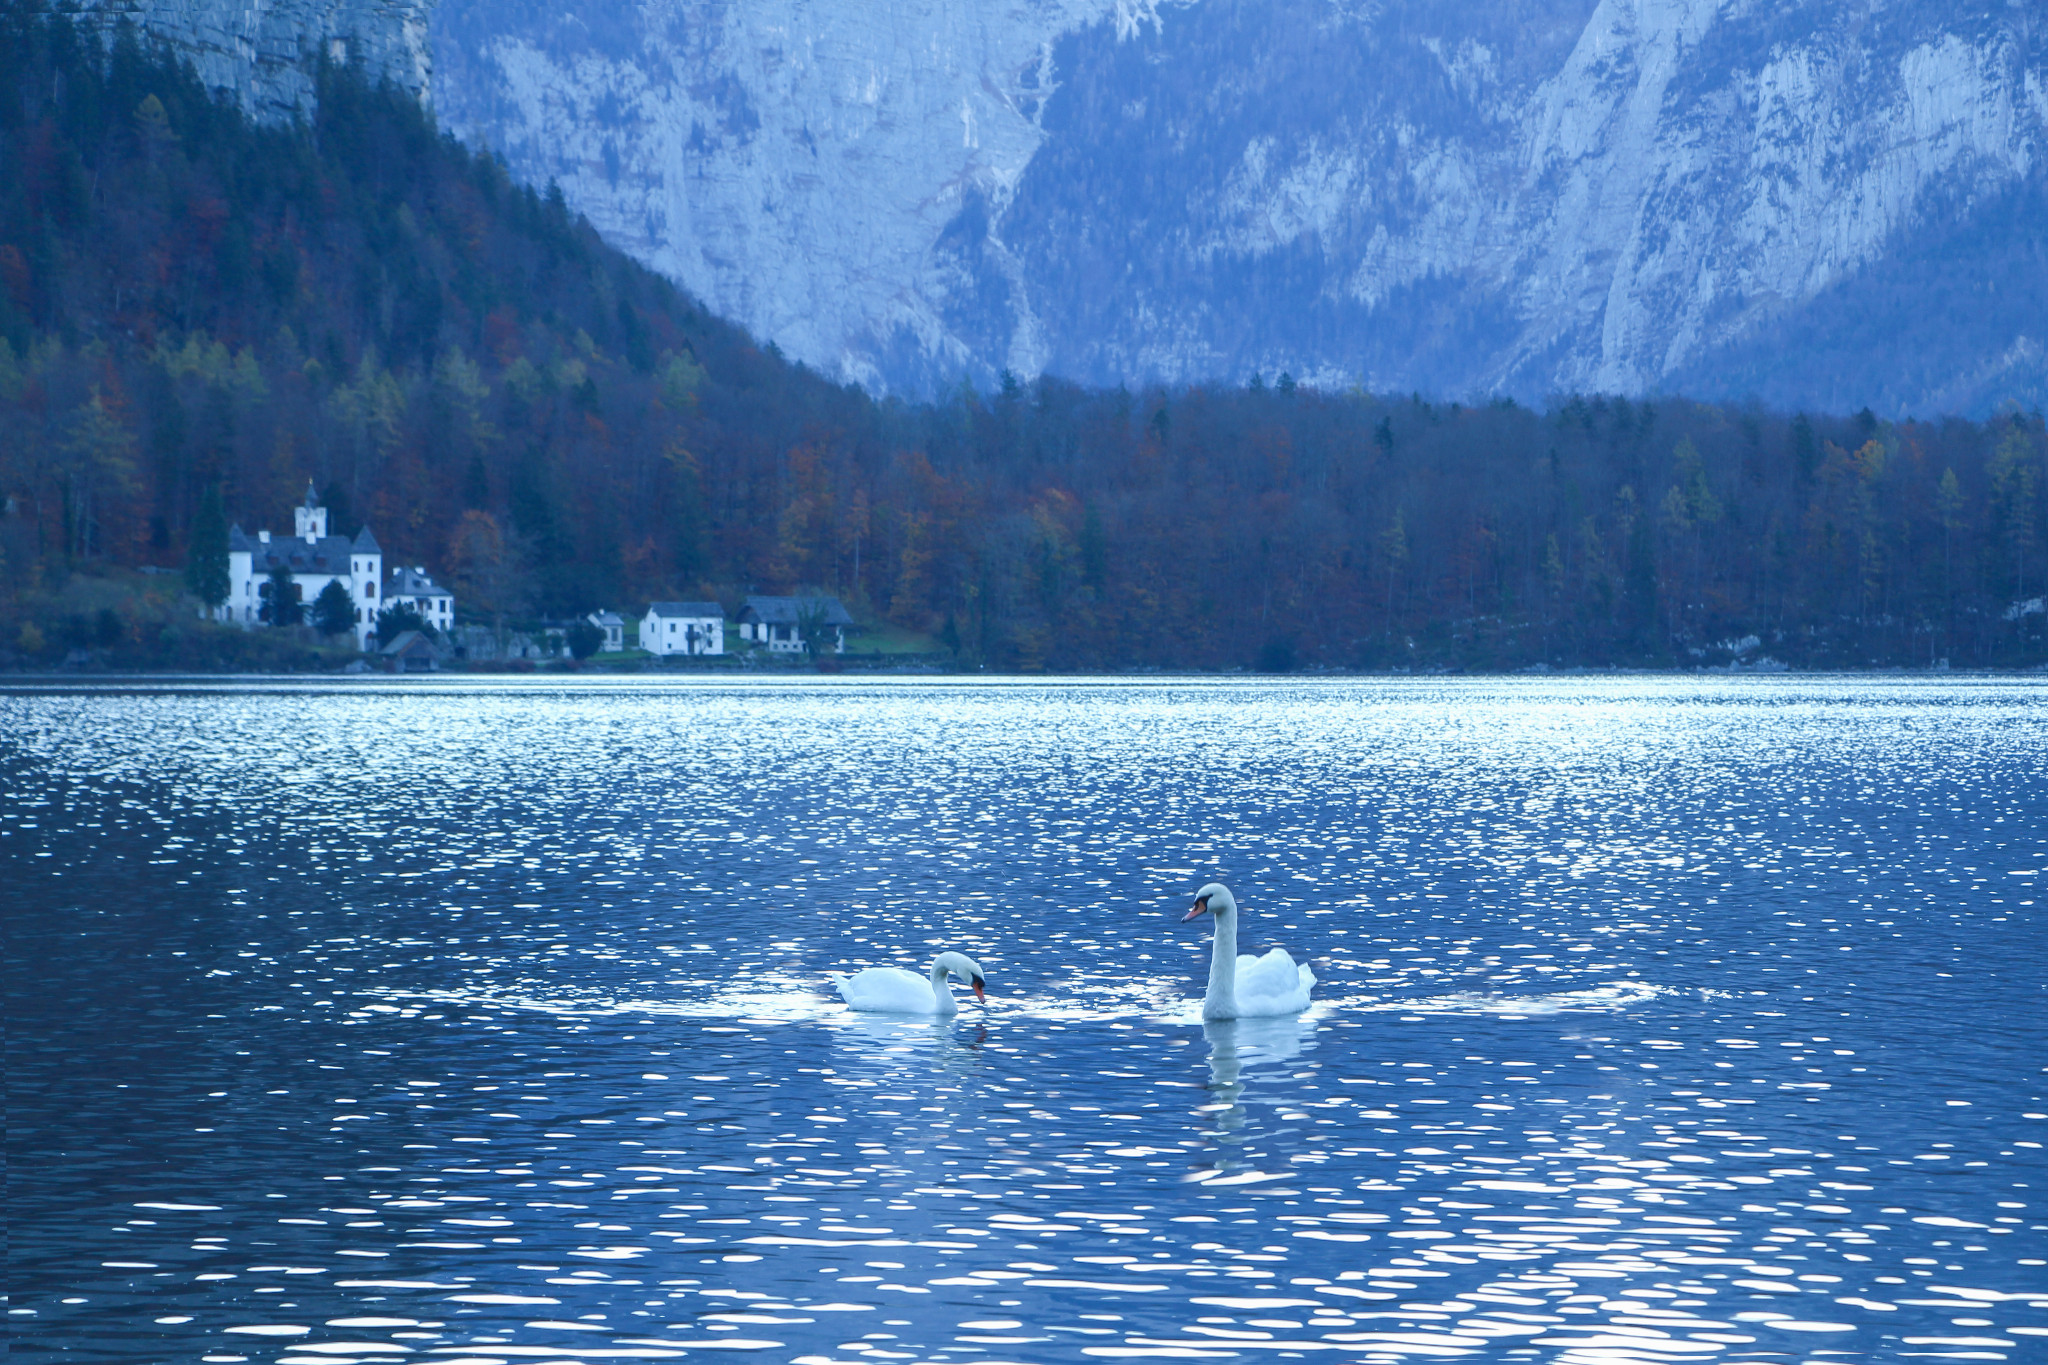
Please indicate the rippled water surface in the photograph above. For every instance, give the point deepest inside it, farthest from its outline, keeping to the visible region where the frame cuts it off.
(1659, 1020)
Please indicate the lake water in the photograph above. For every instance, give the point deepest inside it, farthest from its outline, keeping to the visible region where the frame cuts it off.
(453, 1021)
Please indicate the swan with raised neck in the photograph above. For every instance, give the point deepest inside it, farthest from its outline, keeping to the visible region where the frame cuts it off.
(1272, 984)
(1215, 901)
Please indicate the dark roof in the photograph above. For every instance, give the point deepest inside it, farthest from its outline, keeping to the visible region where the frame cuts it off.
(366, 544)
(406, 582)
(791, 611)
(410, 642)
(328, 554)
(606, 618)
(686, 609)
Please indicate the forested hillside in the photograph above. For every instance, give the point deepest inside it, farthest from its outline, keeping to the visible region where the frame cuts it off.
(188, 303)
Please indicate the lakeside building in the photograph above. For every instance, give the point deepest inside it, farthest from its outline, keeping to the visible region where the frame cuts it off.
(780, 623)
(314, 559)
(683, 628)
(614, 627)
(413, 588)
(411, 652)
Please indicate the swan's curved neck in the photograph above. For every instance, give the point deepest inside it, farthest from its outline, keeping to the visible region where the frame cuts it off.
(1220, 1002)
(942, 994)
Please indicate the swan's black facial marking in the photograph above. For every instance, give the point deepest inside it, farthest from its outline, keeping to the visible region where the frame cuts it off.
(1201, 907)
(978, 983)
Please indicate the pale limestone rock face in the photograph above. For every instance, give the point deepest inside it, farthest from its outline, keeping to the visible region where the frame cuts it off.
(1679, 218)
(1518, 196)
(794, 164)
(1578, 194)
(262, 50)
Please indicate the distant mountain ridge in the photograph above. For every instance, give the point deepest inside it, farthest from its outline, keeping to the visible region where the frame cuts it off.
(1477, 198)
(1819, 203)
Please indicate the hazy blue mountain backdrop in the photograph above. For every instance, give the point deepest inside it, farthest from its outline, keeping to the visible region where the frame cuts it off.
(1816, 202)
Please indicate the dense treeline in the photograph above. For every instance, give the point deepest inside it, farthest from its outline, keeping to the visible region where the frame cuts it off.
(188, 303)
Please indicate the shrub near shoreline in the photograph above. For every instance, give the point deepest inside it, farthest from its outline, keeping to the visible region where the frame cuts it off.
(119, 620)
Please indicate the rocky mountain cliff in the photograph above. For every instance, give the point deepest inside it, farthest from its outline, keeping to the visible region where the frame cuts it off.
(1491, 196)
(1824, 202)
(261, 52)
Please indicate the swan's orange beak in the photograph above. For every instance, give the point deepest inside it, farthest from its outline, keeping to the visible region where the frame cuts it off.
(978, 983)
(1201, 908)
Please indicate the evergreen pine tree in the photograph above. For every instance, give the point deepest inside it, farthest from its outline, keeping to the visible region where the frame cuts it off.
(206, 553)
(281, 604)
(334, 612)
(341, 519)
(397, 619)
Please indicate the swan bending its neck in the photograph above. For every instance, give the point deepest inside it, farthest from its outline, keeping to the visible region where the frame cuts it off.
(892, 990)
(954, 964)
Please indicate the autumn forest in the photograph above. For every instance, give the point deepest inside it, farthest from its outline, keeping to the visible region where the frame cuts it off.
(192, 306)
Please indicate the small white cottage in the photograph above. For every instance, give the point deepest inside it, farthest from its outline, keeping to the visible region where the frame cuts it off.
(614, 627)
(683, 628)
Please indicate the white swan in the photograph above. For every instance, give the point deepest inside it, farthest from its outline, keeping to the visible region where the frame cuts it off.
(1246, 987)
(892, 990)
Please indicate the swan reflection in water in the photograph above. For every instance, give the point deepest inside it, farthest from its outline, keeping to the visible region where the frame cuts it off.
(1235, 1045)
(947, 1045)
(898, 1033)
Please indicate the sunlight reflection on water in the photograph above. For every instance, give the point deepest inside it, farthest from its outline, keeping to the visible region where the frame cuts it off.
(1658, 1020)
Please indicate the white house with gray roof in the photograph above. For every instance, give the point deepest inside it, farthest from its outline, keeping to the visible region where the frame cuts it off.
(781, 623)
(614, 627)
(683, 628)
(411, 587)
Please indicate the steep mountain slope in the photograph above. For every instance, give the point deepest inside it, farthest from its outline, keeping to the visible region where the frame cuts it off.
(795, 164)
(1955, 319)
(263, 54)
(1486, 197)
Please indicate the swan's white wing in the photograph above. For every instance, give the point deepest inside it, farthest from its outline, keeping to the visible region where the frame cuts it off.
(889, 990)
(1272, 984)
(1272, 974)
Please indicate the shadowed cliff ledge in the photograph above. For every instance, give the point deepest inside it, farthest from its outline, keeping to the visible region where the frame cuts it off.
(263, 53)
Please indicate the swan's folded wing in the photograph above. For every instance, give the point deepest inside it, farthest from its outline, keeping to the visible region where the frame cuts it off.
(1272, 975)
(888, 989)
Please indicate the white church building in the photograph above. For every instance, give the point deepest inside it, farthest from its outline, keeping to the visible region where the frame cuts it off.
(315, 559)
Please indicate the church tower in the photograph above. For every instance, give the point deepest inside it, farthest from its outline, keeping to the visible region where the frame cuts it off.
(309, 522)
